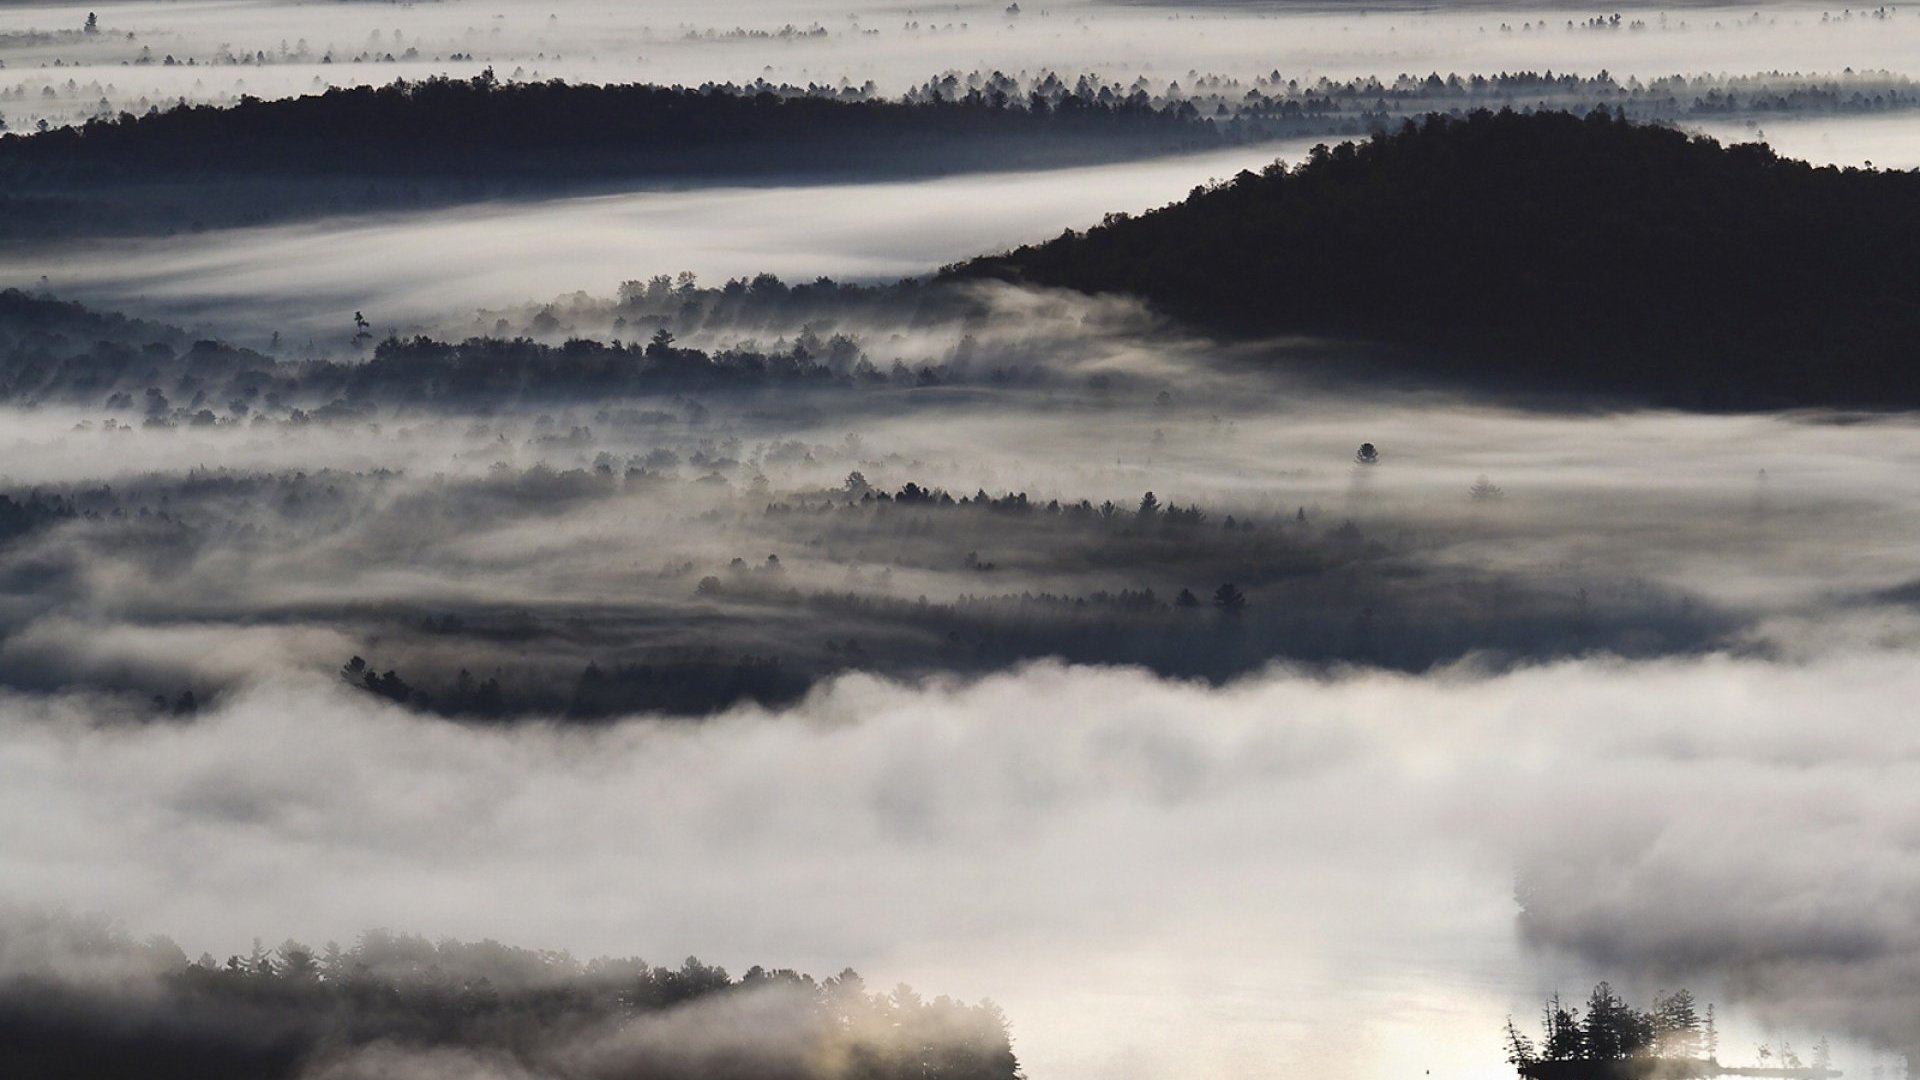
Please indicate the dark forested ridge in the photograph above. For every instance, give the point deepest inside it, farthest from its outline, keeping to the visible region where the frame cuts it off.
(440, 141)
(386, 1004)
(1545, 252)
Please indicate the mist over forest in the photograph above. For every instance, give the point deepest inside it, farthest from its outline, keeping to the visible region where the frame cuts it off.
(1047, 540)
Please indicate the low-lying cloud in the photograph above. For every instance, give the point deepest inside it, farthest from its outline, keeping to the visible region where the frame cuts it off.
(1346, 847)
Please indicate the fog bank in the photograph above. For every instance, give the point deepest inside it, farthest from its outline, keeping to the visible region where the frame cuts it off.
(1300, 873)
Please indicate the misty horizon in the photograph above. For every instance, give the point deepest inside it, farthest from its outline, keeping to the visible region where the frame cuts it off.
(1043, 540)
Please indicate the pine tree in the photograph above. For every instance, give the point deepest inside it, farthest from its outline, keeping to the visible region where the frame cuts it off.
(1520, 1053)
(1676, 1025)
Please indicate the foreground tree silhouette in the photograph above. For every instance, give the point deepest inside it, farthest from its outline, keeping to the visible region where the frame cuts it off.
(1613, 1028)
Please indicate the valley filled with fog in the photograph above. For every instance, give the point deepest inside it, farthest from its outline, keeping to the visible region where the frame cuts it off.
(775, 540)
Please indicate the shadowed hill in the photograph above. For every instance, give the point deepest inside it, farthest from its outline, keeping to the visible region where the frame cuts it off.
(1545, 252)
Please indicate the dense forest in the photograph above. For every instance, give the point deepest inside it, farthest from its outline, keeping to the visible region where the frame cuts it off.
(1544, 252)
(143, 1009)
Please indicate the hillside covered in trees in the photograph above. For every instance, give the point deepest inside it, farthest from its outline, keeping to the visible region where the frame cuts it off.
(1544, 252)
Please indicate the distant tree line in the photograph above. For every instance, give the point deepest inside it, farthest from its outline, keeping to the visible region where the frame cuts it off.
(1277, 106)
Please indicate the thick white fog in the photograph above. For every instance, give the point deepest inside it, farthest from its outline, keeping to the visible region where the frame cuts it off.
(1112, 857)
(1295, 872)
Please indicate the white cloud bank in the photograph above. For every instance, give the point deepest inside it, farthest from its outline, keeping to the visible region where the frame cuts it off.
(1286, 874)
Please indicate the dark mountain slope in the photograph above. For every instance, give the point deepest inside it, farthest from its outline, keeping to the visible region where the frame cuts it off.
(1545, 252)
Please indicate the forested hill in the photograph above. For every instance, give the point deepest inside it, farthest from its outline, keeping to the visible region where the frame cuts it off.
(1545, 252)
(480, 126)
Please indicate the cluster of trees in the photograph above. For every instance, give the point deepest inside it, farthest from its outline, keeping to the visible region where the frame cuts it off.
(1675, 1038)
(1544, 252)
(1613, 1030)
(18, 517)
(279, 1013)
